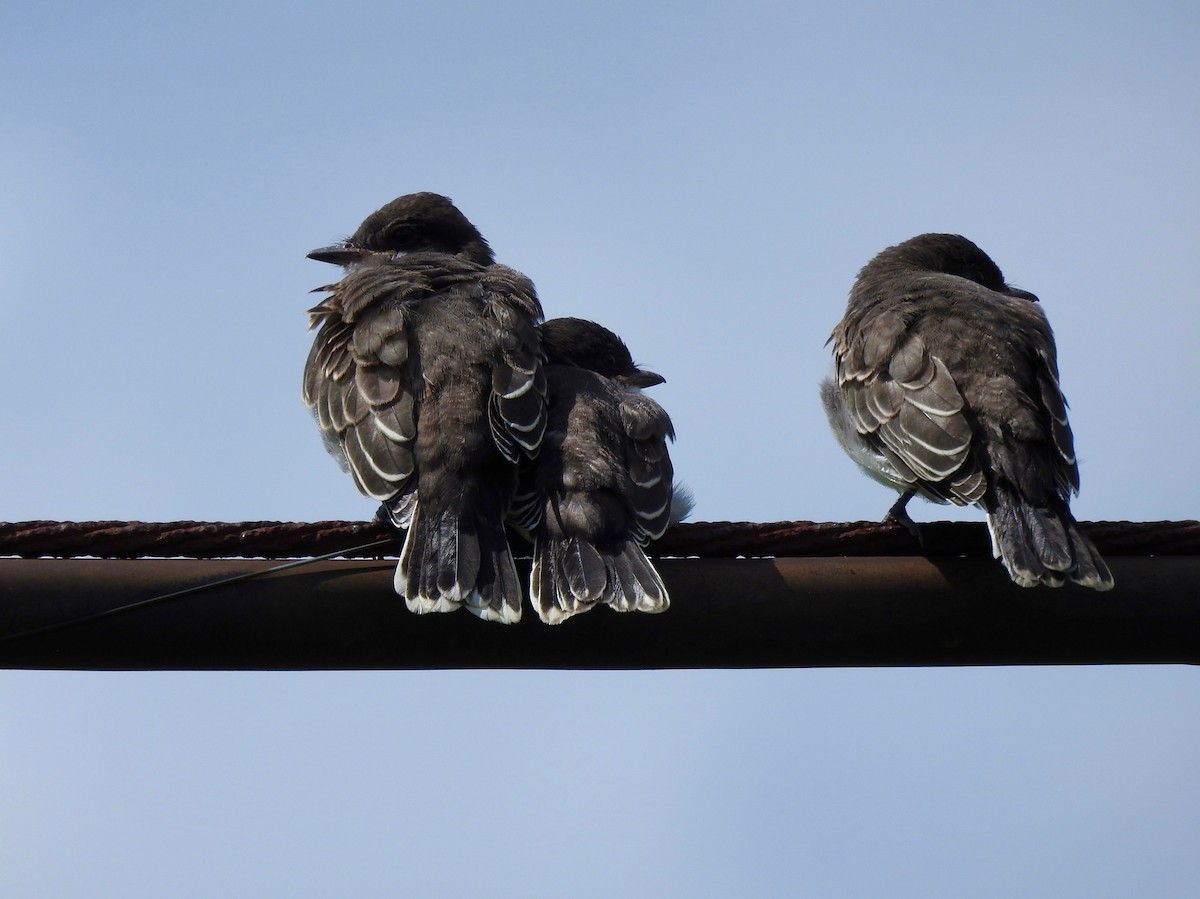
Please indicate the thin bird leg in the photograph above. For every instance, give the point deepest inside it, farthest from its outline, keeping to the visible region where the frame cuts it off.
(899, 514)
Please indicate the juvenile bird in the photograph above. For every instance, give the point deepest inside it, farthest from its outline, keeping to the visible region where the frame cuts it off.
(946, 384)
(427, 383)
(602, 484)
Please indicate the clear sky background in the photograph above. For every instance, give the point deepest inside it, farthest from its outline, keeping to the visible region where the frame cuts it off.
(706, 179)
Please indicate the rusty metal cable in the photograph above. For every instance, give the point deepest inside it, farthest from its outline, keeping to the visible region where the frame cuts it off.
(709, 539)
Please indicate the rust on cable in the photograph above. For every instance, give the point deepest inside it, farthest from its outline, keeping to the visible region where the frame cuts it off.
(705, 539)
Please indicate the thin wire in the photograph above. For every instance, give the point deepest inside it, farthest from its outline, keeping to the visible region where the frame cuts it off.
(187, 591)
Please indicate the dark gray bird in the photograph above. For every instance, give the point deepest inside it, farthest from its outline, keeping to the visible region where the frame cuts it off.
(602, 484)
(427, 383)
(946, 384)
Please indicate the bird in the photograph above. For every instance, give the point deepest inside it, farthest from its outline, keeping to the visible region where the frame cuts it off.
(945, 384)
(602, 483)
(426, 378)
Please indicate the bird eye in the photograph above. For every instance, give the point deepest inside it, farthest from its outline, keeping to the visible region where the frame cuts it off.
(398, 234)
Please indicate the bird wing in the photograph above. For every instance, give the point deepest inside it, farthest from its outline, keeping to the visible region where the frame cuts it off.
(1066, 467)
(904, 402)
(647, 428)
(356, 381)
(517, 407)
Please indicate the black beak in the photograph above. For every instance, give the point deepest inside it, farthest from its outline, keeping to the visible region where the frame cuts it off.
(339, 254)
(641, 378)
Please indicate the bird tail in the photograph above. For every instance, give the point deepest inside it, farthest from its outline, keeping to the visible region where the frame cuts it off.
(571, 575)
(1043, 545)
(451, 560)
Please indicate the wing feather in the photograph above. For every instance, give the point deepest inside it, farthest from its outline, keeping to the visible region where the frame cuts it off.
(906, 405)
(356, 379)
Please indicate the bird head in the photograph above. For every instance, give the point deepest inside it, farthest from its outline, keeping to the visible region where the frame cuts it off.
(413, 223)
(953, 254)
(585, 344)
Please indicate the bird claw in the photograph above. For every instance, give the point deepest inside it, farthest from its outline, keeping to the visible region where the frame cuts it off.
(899, 514)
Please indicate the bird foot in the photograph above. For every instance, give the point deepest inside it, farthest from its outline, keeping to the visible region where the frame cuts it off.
(899, 514)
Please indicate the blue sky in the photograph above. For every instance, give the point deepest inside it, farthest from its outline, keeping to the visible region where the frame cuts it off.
(706, 181)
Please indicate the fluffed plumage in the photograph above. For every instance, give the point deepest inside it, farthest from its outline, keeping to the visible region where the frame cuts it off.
(426, 379)
(946, 384)
(602, 484)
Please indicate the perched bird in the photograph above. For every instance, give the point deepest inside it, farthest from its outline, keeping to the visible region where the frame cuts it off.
(427, 383)
(601, 485)
(946, 384)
